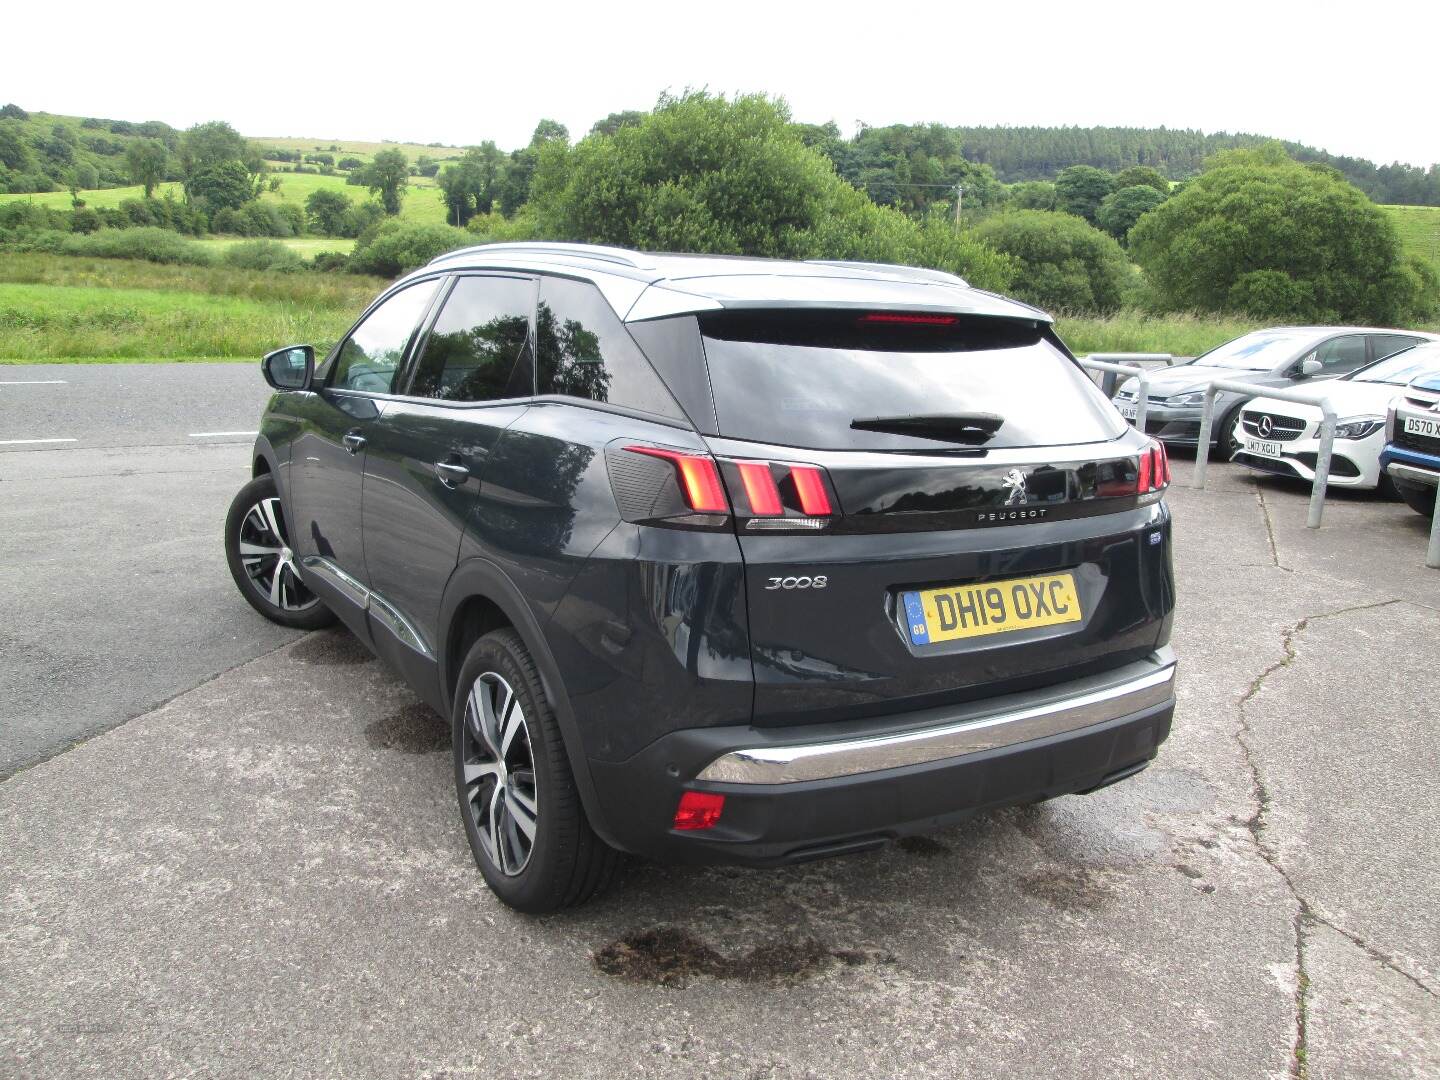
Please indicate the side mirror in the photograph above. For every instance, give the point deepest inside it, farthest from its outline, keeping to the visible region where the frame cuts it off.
(1309, 368)
(291, 368)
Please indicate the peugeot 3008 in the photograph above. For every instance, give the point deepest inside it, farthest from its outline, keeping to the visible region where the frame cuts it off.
(720, 559)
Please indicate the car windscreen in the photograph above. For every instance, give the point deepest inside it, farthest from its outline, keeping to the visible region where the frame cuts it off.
(1400, 368)
(1259, 351)
(806, 378)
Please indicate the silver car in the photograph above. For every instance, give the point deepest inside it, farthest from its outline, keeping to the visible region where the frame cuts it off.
(1279, 356)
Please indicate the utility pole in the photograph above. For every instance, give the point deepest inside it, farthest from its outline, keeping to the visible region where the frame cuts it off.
(959, 196)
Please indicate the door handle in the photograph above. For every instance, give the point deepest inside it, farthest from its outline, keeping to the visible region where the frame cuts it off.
(450, 473)
(354, 441)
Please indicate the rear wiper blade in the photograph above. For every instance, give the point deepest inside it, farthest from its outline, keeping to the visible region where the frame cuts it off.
(972, 428)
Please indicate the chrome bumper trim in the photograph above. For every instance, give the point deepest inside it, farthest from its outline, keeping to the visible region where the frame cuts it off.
(1020, 718)
(1414, 475)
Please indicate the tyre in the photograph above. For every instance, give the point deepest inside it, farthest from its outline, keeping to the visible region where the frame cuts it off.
(518, 801)
(1226, 445)
(1419, 497)
(257, 547)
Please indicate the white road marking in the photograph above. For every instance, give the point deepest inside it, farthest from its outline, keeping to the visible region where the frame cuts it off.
(31, 442)
(218, 434)
(33, 382)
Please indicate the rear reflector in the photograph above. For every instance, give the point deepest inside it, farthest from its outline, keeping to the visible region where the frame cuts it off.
(760, 489)
(814, 499)
(699, 478)
(908, 319)
(698, 810)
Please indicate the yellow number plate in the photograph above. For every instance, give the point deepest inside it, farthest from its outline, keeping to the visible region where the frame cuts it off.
(963, 611)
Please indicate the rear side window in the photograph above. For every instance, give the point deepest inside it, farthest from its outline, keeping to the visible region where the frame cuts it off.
(1385, 344)
(584, 351)
(803, 378)
(372, 353)
(479, 347)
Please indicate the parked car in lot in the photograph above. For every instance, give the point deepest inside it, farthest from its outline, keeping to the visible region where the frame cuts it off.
(720, 560)
(1280, 356)
(1411, 456)
(1283, 437)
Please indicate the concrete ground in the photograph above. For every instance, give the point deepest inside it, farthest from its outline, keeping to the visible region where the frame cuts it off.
(266, 875)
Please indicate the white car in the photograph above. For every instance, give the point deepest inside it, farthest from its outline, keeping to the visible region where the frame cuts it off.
(1283, 437)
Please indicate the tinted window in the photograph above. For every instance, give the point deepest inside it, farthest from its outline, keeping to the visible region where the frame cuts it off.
(479, 349)
(801, 379)
(1385, 344)
(1341, 354)
(1400, 368)
(372, 353)
(584, 351)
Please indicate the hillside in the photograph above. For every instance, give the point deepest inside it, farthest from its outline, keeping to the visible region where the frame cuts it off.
(1419, 229)
(1039, 153)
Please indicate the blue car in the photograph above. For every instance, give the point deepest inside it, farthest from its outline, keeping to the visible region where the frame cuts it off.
(1411, 457)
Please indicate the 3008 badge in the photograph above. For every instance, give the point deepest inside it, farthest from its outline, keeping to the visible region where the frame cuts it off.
(818, 581)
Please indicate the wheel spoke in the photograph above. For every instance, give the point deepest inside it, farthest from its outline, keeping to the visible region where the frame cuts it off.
(511, 723)
(276, 580)
(257, 551)
(475, 771)
(521, 812)
(270, 508)
(493, 822)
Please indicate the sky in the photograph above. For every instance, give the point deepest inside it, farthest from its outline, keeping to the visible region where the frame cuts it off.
(1356, 79)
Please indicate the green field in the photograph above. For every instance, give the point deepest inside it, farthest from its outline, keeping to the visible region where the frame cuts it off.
(96, 310)
(1419, 229)
(355, 148)
(422, 203)
(305, 246)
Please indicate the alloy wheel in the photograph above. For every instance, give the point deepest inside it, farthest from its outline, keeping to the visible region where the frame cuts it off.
(268, 559)
(499, 773)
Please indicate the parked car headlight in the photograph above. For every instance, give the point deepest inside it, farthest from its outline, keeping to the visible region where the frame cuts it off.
(1192, 397)
(1359, 427)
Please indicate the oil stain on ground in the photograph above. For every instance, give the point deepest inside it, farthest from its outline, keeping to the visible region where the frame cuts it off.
(671, 956)
(335, 648)
(1068, 888)
(415, 729)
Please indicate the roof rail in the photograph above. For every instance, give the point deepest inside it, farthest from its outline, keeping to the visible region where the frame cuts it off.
(596, 252)
(914, 273)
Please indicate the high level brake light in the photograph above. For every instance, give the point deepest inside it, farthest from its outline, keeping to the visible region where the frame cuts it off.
(699, 478)
(903, 318)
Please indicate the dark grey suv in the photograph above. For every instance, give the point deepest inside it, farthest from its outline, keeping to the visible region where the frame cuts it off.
(720, 560)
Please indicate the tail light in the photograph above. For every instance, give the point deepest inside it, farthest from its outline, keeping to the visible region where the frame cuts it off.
(654, 483)
(1147, 474)
(698, 810)
(1154, 469)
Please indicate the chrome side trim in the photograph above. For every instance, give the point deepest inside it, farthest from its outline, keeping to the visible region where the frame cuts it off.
(1070, 707)
(1414, 475)
(384, 612)
(337, 579)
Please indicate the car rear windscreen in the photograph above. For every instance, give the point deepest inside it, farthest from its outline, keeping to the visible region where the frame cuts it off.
(802, 378)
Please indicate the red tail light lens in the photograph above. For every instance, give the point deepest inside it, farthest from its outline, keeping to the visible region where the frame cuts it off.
(1154, 470)
(1142, 482)
(761, 491)
(698, 810)
(810, 486)
(1164, 463)
(699, 478)
(908, 319)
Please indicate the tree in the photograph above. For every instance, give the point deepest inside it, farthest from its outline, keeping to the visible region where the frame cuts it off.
(206, 149)
(1065, 264)
(1121, 209)
(703, 173)
(1080, 189)
(386, 177)
(1142, 174)
(1257, 231)
(425, 165)
(146, 161)
(224, 185)
(396, 246)
(14, 150)
(471, 185)
(327, 209)
(13, 112)
(615, 121)
(1032, 195)
(515, 187)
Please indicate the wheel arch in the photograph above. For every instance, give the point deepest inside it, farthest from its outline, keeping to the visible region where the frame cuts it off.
(480, 597)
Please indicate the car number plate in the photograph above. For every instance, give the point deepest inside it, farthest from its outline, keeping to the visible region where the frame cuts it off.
(1127, 409)
(1421, 425)
(995, 607)
(1262, 447)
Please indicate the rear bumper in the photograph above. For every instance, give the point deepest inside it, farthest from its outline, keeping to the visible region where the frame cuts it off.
(808, 791)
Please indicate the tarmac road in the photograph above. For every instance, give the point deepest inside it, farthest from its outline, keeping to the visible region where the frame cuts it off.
(113, 582)
(266, 875)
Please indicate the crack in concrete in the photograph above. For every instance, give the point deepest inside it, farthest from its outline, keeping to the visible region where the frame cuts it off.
(1306, 917)
(1270, 531)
